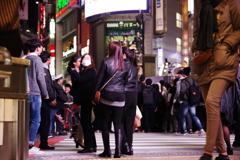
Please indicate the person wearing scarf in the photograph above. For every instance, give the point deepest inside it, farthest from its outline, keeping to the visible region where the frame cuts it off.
(217, 31)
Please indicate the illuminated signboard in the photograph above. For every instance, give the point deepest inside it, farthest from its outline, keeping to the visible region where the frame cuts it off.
(62, 6)
(160, 57)
(160, 16)
(99, 8)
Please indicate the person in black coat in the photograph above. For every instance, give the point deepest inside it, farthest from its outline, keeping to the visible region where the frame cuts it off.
(129, 110)
(86, 82)
(149, 108)
(61, 99)
(74, 71)
(46, 103)
(113, 96)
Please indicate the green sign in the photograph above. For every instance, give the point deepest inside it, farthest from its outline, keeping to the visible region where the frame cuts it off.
(122, 25)
(61, 4)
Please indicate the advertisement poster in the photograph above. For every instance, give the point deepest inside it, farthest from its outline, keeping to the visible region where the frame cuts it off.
(127, 33)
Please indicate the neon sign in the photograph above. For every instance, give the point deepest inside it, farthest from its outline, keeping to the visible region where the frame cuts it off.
(62, 6)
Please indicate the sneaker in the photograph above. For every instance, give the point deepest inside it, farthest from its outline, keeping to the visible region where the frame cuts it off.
(206, 157)
(180, 134)
(222, 157)
(35, 150)
(201, 132)
(50, 136)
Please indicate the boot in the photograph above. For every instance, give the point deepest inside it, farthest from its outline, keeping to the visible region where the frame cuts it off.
(125, 149)
(118, 143)
(107, 151)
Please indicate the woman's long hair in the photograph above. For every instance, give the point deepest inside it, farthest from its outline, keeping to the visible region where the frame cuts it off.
(82, 68)
(115, 50)
(131, 54)
(70, 63)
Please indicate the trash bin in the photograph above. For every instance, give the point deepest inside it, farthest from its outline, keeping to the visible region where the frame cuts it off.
(14, 109)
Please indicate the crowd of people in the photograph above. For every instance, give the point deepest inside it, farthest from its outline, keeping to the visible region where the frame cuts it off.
(165, 106)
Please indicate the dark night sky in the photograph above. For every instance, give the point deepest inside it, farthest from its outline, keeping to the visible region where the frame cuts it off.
(32, 15)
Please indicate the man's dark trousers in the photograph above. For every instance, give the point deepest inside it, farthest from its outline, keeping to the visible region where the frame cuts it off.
(45, 122)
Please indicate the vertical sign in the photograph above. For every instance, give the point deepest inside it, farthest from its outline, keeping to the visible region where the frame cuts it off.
(23, 10)
(160, 16)
(160, 57)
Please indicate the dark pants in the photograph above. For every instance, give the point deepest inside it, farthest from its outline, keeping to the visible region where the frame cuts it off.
(149, 119)
(189, 121)
(45, 122)
(88, 131)
(129, 112)
(237, 133)
(97, 123)
(116, 113)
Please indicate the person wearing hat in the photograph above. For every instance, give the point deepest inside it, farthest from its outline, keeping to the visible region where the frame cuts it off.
(59, 108)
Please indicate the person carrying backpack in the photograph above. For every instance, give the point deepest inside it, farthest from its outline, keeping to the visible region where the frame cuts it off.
(149, 106)
(190, 96)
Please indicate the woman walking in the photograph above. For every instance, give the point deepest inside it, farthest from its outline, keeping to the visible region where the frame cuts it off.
(113, 96)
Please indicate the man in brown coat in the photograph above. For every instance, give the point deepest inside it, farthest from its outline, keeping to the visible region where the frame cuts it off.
(217, 30)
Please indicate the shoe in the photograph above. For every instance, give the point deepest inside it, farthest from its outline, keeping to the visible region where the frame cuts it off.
(125, 149)
(222, 157)
(201, 132)
(206, 157)
(90, 150)
(190, 131)
(50, 136)
(62, 133)
(35, 150)
(130, 152)
(46, 147)
(229, 151)
(180, 134)
(79, 143)
(106, 153)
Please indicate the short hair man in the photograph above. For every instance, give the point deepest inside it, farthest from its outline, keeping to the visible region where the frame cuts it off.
(37, 86)
(46, 103)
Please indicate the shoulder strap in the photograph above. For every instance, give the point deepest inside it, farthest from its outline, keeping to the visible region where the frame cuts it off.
(109, 80)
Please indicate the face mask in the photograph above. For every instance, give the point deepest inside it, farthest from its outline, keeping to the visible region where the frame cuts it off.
(86, 63)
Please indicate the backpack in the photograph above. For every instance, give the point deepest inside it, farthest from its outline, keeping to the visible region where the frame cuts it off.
(194, 94)
(147, 96)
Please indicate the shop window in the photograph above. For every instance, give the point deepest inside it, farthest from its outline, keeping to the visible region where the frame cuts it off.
(69, 24)
(178, 20)
(179, 45)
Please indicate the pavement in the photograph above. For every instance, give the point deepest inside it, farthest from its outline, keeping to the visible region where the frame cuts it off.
(146, 146)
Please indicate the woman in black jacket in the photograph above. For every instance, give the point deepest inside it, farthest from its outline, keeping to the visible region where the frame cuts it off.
(113, 96)
(74, 71)
(129, 110)
(86, 82)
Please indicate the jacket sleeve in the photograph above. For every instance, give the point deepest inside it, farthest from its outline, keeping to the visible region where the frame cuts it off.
(183, 89)
(41, 78)
(100, 75)
(234, 39)
(61, 95)
(85, 77)
(197, 10)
